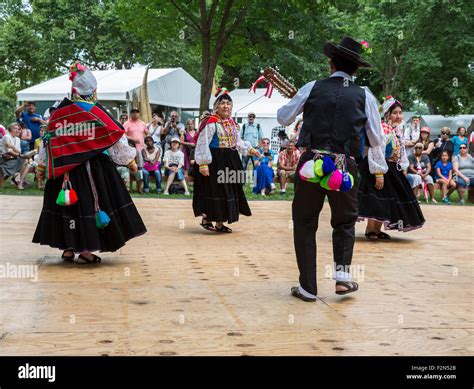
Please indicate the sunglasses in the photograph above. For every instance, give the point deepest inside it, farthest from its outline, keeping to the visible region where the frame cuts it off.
(418, 147)
(463, 147)
(444, 133)
(251, 117)
(266, 143)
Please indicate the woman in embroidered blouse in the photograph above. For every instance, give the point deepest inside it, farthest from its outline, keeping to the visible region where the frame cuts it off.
(218, 187)
(385, 196)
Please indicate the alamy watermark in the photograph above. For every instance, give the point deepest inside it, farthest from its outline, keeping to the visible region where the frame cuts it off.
(85, 129)
(11, 270)
(230, 176)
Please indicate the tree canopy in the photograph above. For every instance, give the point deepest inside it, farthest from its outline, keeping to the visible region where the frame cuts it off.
(421, 52)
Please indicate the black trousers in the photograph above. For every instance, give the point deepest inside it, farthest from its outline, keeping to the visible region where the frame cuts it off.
(307, 204)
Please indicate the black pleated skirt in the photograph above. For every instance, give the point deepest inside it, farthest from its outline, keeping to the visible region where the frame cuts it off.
(73, 227)
(221, 200)
(395, 205)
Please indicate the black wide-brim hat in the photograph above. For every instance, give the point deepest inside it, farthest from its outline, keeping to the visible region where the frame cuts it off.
(348, 49)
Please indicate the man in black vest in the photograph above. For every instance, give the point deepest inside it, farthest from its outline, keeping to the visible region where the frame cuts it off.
(335, 114)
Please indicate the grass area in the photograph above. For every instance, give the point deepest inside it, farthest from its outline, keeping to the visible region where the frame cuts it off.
(31, 190)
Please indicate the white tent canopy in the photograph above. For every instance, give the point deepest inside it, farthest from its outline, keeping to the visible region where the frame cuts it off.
(169, 87)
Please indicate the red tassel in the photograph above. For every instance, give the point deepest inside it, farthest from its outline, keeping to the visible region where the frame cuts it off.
(72, 196)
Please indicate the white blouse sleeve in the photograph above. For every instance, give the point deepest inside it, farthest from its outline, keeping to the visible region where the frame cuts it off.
(376, 157)
(242, 145)
(121, 152)
(404, 163)
(202, 154)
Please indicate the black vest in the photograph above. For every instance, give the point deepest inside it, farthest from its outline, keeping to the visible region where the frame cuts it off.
(334, 116)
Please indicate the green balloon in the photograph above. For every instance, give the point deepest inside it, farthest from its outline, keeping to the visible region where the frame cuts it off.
(324, 182)
(314, 179)
(318, 168)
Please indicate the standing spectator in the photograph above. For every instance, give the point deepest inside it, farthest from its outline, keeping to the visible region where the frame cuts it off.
(412, 134)
(471, 139)
(136, 129)
(189, 144)
(26, 113)
(297, 131)
(283, 138)
(123, 118)
(425, 140)
(151, 166)
(154, 129)
(25, 137)
(463, 166)
(444, 176)
(459, 139)
(287, 162)
(264, 169)
(442, 144)
(173, 129)
(419, 170)
(136, 168)
(251, 132)
(174, 161)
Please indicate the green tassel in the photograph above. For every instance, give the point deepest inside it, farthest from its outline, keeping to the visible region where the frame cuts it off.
(61, 200)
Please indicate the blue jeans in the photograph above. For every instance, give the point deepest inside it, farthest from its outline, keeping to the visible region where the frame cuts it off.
(25, 146)
(179, 174)
(146, 179)
(245, 161)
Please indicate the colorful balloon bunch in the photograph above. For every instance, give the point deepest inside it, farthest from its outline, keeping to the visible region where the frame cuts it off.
(325, 172)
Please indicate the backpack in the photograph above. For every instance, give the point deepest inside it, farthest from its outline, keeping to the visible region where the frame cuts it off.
(176, 189)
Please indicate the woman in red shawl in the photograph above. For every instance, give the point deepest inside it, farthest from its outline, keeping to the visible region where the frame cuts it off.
(86, 206)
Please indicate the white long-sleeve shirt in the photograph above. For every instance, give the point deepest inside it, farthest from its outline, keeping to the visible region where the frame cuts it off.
(373, 128)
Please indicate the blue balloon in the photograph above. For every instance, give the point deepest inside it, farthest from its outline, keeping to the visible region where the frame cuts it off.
(328, 165)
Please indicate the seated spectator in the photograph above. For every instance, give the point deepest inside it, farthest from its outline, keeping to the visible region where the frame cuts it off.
(151, 157)
(12, 161)
(3, 131)
(419, 170)
(25, 137)
(263, 174)
(463, 166)
(444, 176)
(287, 162)
(459, 139)
(173, 161)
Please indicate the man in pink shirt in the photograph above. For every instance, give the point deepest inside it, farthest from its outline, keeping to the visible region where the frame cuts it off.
(136, 129)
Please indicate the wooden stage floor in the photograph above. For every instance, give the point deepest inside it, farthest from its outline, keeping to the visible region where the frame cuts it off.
(180, 290)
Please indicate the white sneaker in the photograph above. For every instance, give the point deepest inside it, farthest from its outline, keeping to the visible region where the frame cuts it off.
(166, 193)
(186, 193)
